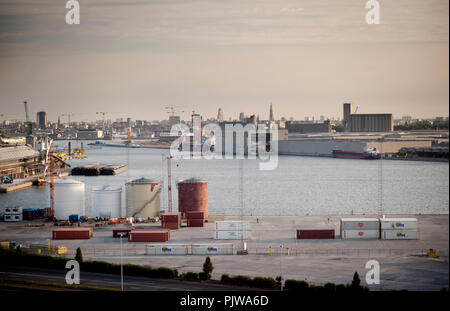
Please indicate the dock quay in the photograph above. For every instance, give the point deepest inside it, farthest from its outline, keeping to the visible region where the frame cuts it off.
(97, 169)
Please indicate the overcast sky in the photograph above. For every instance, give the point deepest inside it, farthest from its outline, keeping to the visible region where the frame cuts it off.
(307, 57)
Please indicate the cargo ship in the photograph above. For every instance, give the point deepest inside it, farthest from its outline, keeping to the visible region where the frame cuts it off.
(368, 154)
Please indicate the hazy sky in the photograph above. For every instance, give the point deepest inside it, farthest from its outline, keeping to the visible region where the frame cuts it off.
(307, 57)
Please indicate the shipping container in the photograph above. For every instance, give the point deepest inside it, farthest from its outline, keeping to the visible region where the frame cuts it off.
(360, 224)
(13, 217)
(171, 217)
(195, 222)
(72, 233)
(232, 225)
(167, 249)
(195, 215)
(232, 235)
(123, 231)
(171, 225)
(360, 234)
(212, 249)
(14, 210)
(411, 234)
(315, 234)
(399, 223)
(149, 235)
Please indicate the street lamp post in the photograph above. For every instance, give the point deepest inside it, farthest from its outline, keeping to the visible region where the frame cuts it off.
(121, 262)
(281, 270)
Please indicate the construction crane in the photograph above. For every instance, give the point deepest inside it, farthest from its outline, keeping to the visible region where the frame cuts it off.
(356, 109)
(103, 113)
(171, 110)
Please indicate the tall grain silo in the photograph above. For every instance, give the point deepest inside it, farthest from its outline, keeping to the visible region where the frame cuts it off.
(106, 202)
(193, 195)
(69, 198)
(143, 198)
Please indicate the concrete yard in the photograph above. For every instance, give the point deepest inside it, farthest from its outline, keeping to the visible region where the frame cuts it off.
(403, 264)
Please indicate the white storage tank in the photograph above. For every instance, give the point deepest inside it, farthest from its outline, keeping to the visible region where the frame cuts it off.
(69, 198)
(212, 249)
(106, 202)
(167, 249)
(143, 198)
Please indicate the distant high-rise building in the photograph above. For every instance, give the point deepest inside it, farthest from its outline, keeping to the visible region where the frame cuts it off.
(322, 118)
(241, 117)
(174, 120)
(220, 115)
(41, 119)
(271, 118)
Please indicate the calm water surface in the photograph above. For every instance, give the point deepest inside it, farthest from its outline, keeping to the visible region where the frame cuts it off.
(300, 185)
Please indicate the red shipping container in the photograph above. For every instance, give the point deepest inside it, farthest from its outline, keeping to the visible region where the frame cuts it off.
(195, 215)
(195, 222)
(315, 234)
(149, 236)
(72, 234)
(171, 217)
(170, 225)
(124, 231)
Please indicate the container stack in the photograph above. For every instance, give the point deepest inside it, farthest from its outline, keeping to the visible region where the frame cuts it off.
(13, 214)
(72, 233)
(149, 235)
(360, 228)
(167, 249)
(399, 229)
(232, 230)
(195, 218)
(171, 221)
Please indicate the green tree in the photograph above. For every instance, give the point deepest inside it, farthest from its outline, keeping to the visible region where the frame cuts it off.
(208, 268)
(356, 282)
(79, 255)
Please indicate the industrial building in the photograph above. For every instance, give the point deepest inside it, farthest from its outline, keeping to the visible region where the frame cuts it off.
(89, 134)
(24, 162)
(41, 119)
(367, 122)
(305, 128)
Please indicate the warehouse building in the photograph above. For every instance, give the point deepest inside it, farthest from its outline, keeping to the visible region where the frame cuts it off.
(306, 128)
(367, 122)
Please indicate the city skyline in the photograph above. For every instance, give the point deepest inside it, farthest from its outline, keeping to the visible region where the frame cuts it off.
(306, 58)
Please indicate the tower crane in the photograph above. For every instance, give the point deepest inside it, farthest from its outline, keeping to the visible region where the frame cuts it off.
(171, 110)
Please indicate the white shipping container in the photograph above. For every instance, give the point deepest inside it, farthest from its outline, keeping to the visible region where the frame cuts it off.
(399, 223)
(360, 234)
(14, 210)
(400, 234)
(231, 225)
(167, 249)
(13, 217)
(232, 235)
(212, 249)
(360, 224)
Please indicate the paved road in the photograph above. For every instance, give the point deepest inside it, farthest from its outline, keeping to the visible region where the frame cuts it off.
(110, 281)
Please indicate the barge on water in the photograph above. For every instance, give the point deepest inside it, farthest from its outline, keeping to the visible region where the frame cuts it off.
(368, 154)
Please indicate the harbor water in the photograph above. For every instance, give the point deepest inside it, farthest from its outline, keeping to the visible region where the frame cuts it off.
(299, 185)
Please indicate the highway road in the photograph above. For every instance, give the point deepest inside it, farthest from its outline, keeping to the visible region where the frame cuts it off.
(131, 283)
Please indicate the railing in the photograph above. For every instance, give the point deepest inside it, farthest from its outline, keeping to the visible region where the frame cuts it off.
(140, 250)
